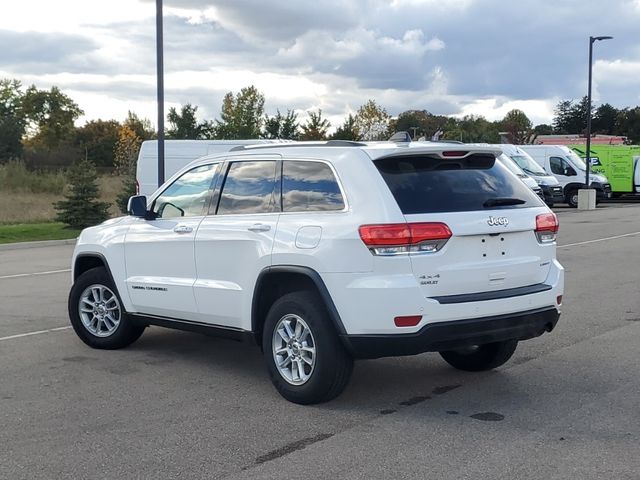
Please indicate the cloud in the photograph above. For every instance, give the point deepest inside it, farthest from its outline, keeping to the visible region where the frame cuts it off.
(46, 52)
(448, 57)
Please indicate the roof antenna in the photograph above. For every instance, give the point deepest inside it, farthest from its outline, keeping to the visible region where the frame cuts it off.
(400, 137)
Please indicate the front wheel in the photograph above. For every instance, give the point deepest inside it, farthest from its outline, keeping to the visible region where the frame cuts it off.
(306, 361)
(481, 357)
(97, 314)
(572, 198)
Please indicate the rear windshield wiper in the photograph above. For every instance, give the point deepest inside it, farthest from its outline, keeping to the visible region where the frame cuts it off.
(496, 202)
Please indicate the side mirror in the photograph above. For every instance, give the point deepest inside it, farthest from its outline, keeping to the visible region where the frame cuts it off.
(137, 206)
(569, 172)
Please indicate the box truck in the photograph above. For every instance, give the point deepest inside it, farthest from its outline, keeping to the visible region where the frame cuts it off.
(618, 162)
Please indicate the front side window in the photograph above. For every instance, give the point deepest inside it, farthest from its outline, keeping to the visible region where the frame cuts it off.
(556, 165)
(188, 195)
(249, 188)
(309, 186)
(561, 167)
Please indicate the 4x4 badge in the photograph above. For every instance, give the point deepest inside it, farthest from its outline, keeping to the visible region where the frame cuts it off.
(495, 221)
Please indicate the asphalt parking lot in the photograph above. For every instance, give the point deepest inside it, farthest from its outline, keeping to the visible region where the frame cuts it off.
(177, 404)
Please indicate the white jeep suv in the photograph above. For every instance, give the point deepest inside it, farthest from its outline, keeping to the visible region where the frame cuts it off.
(327, 252)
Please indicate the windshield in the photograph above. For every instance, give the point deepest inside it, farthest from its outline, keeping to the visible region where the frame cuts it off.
(528, 165)
(511, 165)
(579, 162)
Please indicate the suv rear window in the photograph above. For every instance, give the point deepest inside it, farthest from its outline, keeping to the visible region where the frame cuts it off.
(426, 184)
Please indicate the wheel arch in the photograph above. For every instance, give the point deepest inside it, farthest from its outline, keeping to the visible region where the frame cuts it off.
(88, 260)
(569, 187)
(277, 280)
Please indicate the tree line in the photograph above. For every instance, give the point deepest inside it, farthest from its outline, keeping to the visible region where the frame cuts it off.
(38, 126)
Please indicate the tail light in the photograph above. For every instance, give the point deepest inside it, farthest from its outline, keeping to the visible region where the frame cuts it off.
(404, 238)
(547, 227)
(453, 153)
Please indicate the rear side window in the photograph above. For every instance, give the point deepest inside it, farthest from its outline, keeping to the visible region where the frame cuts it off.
(425, 184)
(309, 186)
(249, 188)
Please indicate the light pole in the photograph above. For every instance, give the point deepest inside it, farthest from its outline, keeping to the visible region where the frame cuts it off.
(160, 85)
(591, 42)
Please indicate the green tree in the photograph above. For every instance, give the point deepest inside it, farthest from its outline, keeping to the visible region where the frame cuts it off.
(517, 126)
(185, 125)
(543, 129)
(347, 131)
(372, 121)
(282, 126)
(418, 123)
(571, 117)
(125, 157)
(628, 124)
(241, 116)
(81, 208)
(12, 120)
(315, 128)
(51, 115)
(471, 129)
(141, 126)
(96, 139)
(604, 119)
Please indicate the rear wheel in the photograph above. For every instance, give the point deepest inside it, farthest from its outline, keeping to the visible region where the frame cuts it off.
(481, 357)
(306, 361)
(97, 314)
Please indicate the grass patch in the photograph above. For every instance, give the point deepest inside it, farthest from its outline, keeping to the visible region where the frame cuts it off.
(15, 177)
(20, 206)
(29, 232)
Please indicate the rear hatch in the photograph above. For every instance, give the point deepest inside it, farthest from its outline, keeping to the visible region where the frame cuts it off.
(491, 215)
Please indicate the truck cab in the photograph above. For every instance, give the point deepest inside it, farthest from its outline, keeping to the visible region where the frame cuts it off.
(551, 188)
(570, 171)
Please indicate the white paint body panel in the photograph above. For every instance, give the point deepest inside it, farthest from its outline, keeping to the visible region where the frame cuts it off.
(210, 274)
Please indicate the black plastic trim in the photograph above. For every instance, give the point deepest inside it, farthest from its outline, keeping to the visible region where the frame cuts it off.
(494, 295)
(191, 326)
(328, 143)
(317, 281)
(92, 255)
(443, 336)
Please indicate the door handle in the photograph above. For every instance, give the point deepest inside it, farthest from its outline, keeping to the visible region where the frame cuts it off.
(183, 229)
(259, 227)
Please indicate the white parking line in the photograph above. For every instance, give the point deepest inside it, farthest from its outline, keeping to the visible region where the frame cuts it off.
(599, 240)
(38, 332)
(49, 272)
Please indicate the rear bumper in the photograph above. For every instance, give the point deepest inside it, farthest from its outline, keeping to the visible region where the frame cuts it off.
(441, 336)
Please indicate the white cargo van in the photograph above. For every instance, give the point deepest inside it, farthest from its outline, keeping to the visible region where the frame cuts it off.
(518, 172)
(553, 192)
(177, 154)
(570, 170)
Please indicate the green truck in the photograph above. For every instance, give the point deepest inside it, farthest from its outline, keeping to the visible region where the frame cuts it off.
(619, 163)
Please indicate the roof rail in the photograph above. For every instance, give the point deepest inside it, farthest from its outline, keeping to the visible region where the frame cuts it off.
(328, 143)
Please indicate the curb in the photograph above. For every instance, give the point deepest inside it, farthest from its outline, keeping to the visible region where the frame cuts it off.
(41, 243)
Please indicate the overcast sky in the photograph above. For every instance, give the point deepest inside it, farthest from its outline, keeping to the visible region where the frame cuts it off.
(449, 57)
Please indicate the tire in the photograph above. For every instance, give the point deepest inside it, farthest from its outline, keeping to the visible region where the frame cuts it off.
(103, 324)
(572, 198)
(481, 357)
(326, 372)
